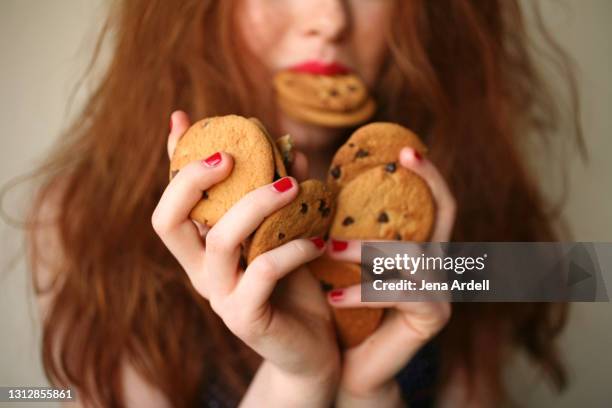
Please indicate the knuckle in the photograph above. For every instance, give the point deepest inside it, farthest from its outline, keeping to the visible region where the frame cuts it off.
(160, 222)
(265, 267)
(446, 312)
(217, 242)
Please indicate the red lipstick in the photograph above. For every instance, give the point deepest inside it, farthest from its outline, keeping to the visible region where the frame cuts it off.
(321, 68)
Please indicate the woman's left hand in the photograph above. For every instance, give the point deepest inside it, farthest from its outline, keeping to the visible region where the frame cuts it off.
(369, 369)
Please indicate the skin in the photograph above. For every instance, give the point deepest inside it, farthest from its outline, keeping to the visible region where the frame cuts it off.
(302, 363)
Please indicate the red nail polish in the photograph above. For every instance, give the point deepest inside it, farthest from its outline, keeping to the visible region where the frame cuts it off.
(336, 294)
(418, 156)
(283, 184)
(213, 160)
(171, 123)
(319, 242)
(339, 246)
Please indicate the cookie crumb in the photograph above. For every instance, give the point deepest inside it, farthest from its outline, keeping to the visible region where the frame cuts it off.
(361, 153)
(336, 172)
(348, 221)
(390, 168)
(383, 217)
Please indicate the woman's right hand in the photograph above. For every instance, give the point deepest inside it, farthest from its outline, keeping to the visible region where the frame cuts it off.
(293, 333)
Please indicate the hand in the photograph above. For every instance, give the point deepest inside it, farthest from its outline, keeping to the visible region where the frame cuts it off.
(369, 369)
(294, 332)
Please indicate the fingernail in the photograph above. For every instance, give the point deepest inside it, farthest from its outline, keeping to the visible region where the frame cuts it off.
(418, 156)
(283, 184)
(336, 295)
(171, 123)
(213, 160)
(318, 241)
(339, 246)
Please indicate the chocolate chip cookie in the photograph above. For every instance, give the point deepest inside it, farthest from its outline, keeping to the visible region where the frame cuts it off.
(353, 325)
(325, 100)
(309, 215)
(371, 145)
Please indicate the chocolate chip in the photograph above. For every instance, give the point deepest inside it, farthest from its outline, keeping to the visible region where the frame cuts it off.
(348, 221)
(398, 236)
(351, 145)
(333, 92)
(323, 208)
(281, 236)
(174, 173)
(390, 168)
(205, 195)
(361, 153)
(336, 172)
(352, 88)
(383, 217)
(326, 286)
(326, 236)
(304, 208)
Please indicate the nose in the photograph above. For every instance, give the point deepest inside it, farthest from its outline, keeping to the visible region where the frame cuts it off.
(325, 18)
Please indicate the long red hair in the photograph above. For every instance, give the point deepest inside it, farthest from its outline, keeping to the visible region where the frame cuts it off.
(459, 73)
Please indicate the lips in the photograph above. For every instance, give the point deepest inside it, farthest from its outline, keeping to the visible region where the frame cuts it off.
(321, 68)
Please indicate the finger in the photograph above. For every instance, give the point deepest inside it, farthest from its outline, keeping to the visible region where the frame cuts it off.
(445, 202)
(179, 123)
(224, 238)
(170, 218)
(299, 169)
(385, 352)
(405, 328)
(261, 276)
(348, 250)
(424, 317)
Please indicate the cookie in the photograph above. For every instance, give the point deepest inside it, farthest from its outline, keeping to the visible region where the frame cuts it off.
(338, 93)
(279, 160)
(308, 215)
(384, 202)
(355, 324)
(244, 140)
(325, 100)
(329, 118)
(369, 146)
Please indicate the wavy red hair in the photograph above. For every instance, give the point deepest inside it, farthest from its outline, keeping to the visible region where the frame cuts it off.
(459, 72)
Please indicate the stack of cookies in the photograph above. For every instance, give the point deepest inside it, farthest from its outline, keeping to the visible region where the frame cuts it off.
(376, 199)
(325, 100)
(258, 161)
(368, 196)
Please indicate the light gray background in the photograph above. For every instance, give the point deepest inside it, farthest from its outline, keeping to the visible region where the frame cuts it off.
(44, 46)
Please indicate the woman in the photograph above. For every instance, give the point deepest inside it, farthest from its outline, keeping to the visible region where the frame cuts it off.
(137, 320)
